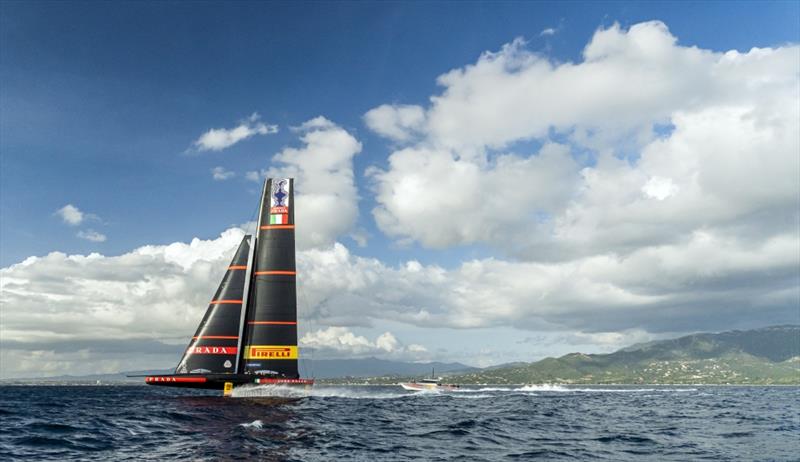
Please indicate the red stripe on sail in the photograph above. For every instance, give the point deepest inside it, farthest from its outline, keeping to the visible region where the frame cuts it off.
(277, 227)
(238, 267)
(225, 302)
(280, 323)
(223, 337)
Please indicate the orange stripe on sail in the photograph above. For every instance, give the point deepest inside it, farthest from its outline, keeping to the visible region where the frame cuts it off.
(224, 337)
(225, 302)
(238, 267)
(287, 273)
(280, 323)
(277, 227)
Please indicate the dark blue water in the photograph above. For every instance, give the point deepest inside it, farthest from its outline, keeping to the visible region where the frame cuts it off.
(386, 423)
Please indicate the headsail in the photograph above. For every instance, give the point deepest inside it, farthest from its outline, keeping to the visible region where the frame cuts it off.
(213, 349)
(269, 344)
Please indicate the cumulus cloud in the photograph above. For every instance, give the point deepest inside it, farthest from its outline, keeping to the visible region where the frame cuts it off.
(341, 342)
(657, 289)
(153, 293)
(217, 139)
(151, 299)
(254, 175)
(440, 199)
(546, 160)
(325, 191)
(220, 174)
(72, 215)
(91, 235)
(397, 122)
(94, 296)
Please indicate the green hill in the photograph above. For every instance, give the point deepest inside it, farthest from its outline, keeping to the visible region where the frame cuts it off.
(762, 356)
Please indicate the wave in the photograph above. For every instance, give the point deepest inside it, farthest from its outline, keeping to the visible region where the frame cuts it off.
(254, 424)
(484, 389)
(563, 389)
(542, 387)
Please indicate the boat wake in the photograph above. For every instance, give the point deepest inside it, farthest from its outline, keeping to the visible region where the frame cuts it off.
(551, 388)
(274, 391)
(293, 393)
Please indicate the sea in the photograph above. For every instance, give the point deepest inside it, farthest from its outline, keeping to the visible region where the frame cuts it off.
(386, 423)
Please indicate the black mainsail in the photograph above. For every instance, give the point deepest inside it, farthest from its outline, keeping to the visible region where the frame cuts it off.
(270, 330)
(249, 331)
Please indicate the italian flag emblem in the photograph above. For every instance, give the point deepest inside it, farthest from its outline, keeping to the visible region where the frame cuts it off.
(279, 219)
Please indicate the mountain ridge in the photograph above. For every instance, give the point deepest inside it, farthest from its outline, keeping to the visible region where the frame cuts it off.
(768, 355)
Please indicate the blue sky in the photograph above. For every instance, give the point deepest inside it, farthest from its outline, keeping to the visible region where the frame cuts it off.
(100, 101)
(101, 104)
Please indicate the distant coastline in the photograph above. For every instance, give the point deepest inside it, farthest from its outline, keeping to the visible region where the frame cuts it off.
(769, 356)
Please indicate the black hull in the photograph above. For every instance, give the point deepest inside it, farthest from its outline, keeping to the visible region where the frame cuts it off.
(218, 381)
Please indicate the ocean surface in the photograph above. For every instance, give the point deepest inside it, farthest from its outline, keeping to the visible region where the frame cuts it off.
(387, 423)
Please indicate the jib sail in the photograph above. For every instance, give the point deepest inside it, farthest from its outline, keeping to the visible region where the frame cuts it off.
(269, 343)
(213, 348)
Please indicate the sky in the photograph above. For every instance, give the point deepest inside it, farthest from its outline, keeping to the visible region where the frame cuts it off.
(481, 182)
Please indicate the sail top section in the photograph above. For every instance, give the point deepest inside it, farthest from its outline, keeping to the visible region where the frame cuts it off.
(280, 210)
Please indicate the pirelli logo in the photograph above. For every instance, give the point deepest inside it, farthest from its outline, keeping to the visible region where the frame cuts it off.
(270, 352)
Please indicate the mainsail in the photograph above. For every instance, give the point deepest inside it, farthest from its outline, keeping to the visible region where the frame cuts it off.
(269, 345)
(249, 331)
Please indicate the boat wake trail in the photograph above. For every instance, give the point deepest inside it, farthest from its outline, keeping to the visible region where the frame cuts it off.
(273, 391)
(289, 393)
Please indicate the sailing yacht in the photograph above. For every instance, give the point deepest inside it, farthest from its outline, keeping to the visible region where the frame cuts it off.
(249, 332)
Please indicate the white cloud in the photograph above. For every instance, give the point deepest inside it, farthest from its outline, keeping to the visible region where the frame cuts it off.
(341, 342)
(548, 31)
(619, 182)
(70, 214)
(150, 292)
(398, 122)
(325, 191)
(217, 139)
(220, 174)
(660, 188)
(91, 235)
(256, 176)
(440, 199)
(153, 294)
(657, 289)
